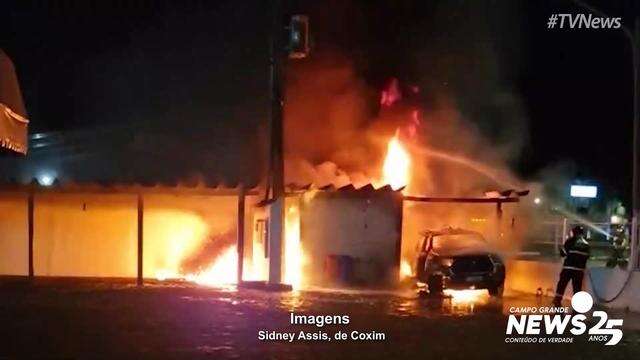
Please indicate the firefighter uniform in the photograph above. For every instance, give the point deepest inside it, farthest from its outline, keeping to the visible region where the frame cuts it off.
(576, 252)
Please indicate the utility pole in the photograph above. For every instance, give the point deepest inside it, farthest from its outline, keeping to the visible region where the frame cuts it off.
(295, 46)
(275, 180)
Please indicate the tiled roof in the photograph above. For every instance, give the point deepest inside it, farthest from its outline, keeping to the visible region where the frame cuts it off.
(345, 188)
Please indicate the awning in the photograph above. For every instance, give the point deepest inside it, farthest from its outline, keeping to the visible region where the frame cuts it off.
(13, 117)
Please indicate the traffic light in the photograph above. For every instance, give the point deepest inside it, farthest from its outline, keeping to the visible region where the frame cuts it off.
(298, 37)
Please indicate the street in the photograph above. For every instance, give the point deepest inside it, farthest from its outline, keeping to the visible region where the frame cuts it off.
(107, 319)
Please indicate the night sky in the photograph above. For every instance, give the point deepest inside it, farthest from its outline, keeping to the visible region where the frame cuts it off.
(130, 64)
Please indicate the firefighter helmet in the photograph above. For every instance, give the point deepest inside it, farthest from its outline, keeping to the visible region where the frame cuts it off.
(578, 230)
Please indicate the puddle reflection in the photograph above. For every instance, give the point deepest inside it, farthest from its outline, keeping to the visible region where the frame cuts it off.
(403, 303)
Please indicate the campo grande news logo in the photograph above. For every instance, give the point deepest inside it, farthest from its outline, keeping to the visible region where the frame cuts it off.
(556, 321)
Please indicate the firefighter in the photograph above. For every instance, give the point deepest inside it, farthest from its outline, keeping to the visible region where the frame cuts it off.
(576, 253)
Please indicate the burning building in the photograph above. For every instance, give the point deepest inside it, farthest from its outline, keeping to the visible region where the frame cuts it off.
(119, 230)
(135, 218)
(139, 211)
(345, 236)
(341, 236)
(353, 234)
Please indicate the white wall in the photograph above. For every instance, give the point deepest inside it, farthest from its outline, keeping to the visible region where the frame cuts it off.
(366, 228)
(85, 235)
(527, 276)
(96, 234)
(14, 234)
(608, 283)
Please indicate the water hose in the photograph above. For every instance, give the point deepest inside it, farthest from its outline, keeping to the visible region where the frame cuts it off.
(622, 289)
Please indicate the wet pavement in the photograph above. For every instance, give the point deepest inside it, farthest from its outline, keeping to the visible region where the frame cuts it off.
(98, 319)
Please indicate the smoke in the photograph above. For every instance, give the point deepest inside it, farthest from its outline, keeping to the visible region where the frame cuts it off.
(453, 105)
(336, 131)
(454, 74)
(337, 127)
(328, 108)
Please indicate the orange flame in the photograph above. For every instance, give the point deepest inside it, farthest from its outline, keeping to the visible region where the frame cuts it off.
(405, 270)
(397, 163)
(467, 296)
(224, 269)
(293, 254)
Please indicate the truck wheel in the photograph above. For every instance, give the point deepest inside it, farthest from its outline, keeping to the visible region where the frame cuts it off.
(497, 290)
(435, 285)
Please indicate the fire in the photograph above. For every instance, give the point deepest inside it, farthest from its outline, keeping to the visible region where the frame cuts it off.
(396, 168)
(256, 269)
(405, 270)
(164, 274)
(294, 256)
(468, 296)
(223, 271)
